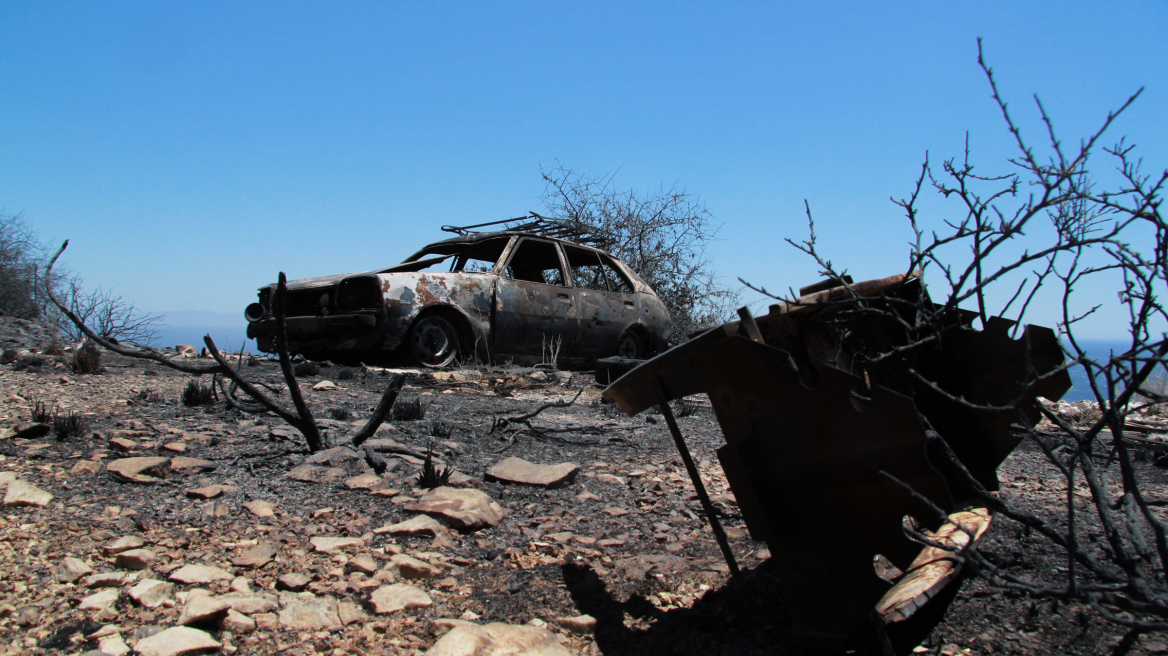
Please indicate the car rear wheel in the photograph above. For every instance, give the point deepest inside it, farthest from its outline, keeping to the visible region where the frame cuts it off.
(434, 341)
(630, 346)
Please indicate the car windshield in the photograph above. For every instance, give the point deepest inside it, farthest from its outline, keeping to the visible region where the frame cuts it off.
(474, 257)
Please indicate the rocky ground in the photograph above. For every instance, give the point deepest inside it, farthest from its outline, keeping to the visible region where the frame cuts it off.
(163, 528)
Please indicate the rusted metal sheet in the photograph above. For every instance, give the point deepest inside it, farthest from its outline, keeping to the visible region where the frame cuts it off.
(815, 438)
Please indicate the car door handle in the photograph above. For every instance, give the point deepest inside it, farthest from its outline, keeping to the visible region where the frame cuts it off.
(564, 298)
(629, 304)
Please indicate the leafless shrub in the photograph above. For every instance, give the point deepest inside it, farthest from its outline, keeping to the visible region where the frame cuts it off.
(994, 257)
(661, 235)
(70, 424)
(684, 407)
(151, 396)
(31, 362)
(109, 315)
(307, 369)
(340, 414)
(54, 348)
(441, 430)
(409, 410)
(197, 393)
(86, 358)
(346, 373)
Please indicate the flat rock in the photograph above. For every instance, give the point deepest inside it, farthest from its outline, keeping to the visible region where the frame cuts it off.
(124, 445)
(105, 580)
(100, 600)
(210, 491)
(83, 467)
(294, 581)
(23, 493)
(306, 612)
(187, 465)
(124, 543)
(399, 596)
(468, 639)
(26, 431)
(459, 479)
(465, 509)
(412, 568)
(581, 624)
(151, 593)
(250, 603)
(257, 556)
(416, 525)
(113, 645)
(199, 574)
(176, 641)
(365, 482)
(363, 563)
(315, 474)
(350, 612)
(334, 457)
(175, 447)
(518, 470)
(71, 569)
(329, 545)
(261, 508)
(325, 385)
(140, 470)
(237, 622)
(202, 609)
(135, 559)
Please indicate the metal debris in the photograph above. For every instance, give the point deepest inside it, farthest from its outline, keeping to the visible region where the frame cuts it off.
(822, 439)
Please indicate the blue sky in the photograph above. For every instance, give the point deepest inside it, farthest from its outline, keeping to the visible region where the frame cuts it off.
(191, 151)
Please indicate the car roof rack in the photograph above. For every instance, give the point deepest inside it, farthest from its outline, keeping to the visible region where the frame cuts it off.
(543, 226)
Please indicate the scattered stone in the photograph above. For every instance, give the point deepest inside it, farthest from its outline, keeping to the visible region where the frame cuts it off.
(325, 385)
(518, 470)
(609, 478)
(465, 509)
(175, 447)
(399, 596)
(416, 525)
(459, 479)
(350, 612)
(100, 600)
(237, 622)
(105, 580)
(23, 493)
(257, 556)
(176, 641)
(124, 543)
(261, 508)
(199, 574)
(210, 491)
(72, 569)
(334, 457)
(581, 624)
(185, 351)
(123, 445)
(140, 470)
(315, 474)
(202, 609)
(365, 482)
(294, 581)
(187, 465)
(135, 559)
(26, 431)
(216, 509)
(469, 639)
(329, 545)
(616, 512)
(113, 645)
(305, 611)
(250, 603)
(151, 593)
(412, 568)
(363, 563)
(83, 467)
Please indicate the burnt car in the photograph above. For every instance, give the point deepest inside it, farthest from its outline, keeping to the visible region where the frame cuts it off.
(513, 295)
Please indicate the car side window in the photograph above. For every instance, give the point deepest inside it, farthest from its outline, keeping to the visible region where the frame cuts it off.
(586, 268)
(536, 261)
(617, 281)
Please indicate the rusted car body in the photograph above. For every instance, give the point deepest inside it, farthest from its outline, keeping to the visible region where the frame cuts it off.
(499, 296)
(826, 456)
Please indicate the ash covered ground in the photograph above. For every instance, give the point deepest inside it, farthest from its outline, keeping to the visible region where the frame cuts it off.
(625, 542)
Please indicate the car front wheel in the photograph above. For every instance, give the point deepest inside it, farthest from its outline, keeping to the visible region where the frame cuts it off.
(630, 346)
(433, 342)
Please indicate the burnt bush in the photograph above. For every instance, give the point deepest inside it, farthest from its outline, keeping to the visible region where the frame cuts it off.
(346, 373)
(441, 429)
(196, 393)
(307, 369)
(340, 414)
(71, 424)
(31, 362)
(430, 477)
(409, 410)
(151, 396)
(41, 413)
(87, 358)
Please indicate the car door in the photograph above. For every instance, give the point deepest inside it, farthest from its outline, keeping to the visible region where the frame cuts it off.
(534, 302)
(605, 303)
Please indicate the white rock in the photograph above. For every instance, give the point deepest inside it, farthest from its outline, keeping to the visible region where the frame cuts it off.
(329, 545)
(151, 593)
(467, 639)
(466, 509)
(412, 568)
(399, 596)
(99, 601)
(23, 493)
(176, 641)
(113, 645)
(305, 611)
(201, 609)
(199, 574)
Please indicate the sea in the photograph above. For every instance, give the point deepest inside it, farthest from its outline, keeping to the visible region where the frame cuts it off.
(1080, 385)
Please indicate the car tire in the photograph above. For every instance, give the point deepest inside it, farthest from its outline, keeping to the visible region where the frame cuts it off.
(630, 346)
(433, 341)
